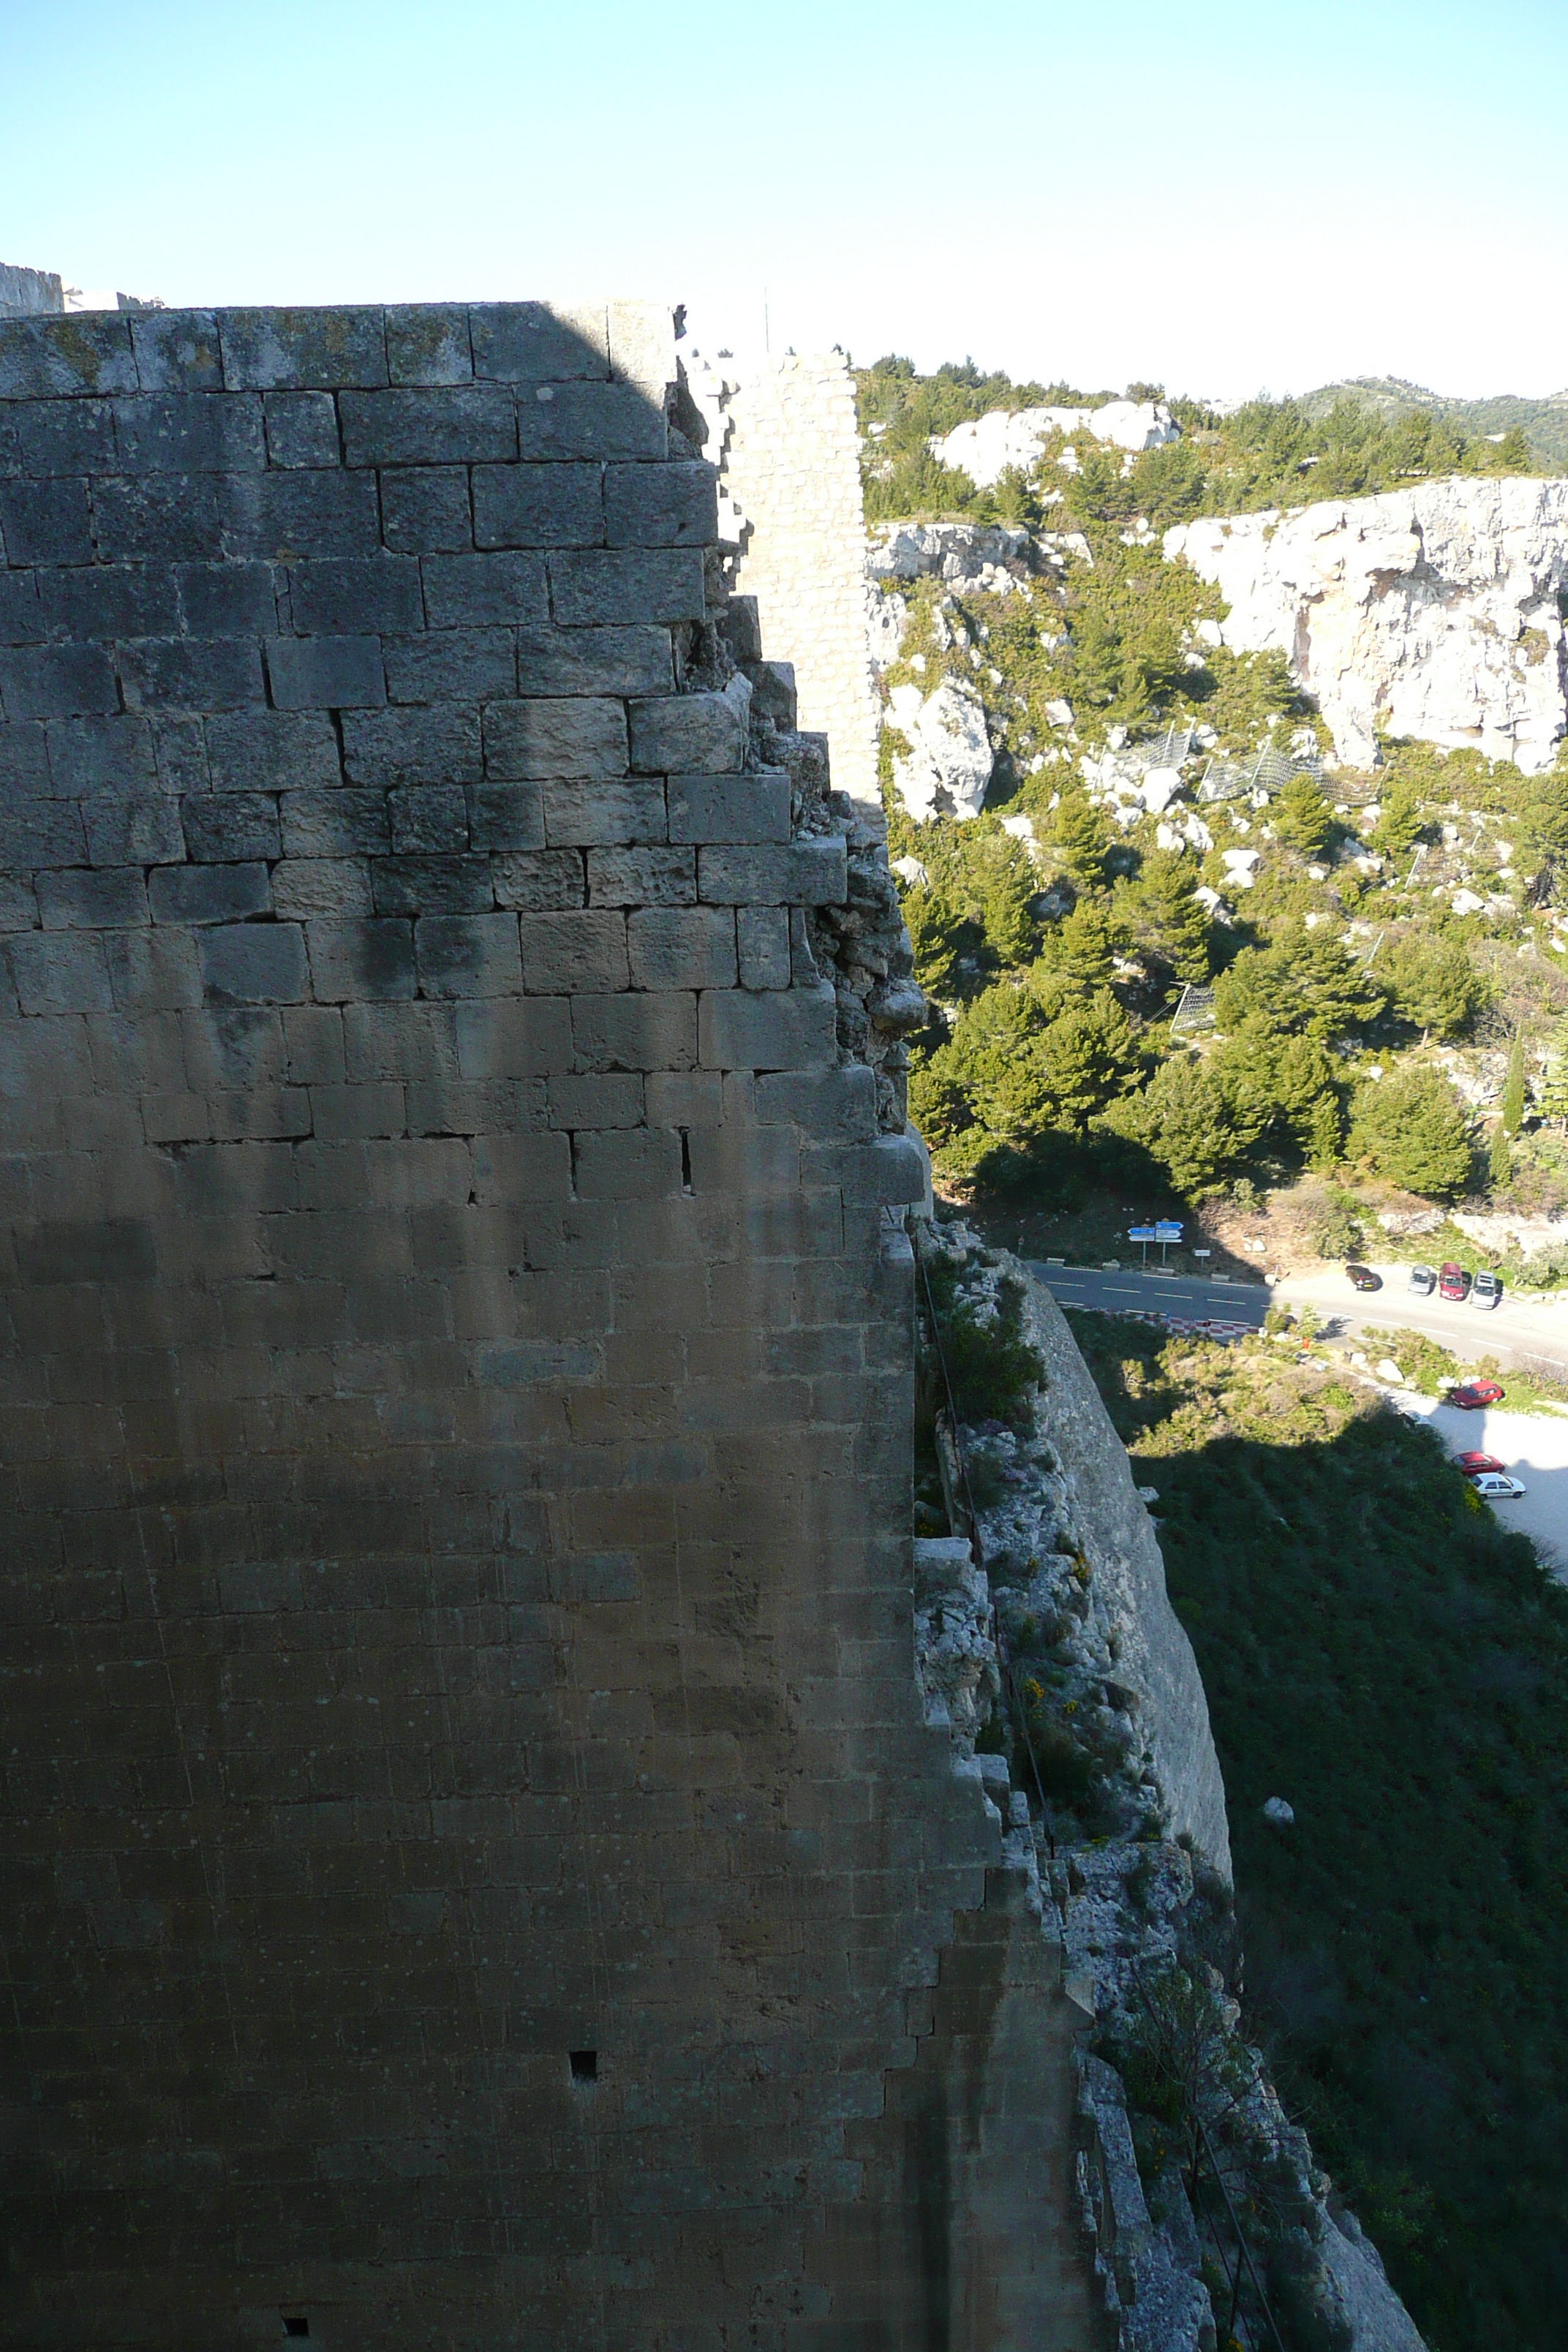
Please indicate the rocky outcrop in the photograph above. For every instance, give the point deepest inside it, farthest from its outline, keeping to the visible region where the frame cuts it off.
(950, 759)
(967, 555)
(1148, 1651)
(988, 447)
(1071, 1691)
(1430, 611)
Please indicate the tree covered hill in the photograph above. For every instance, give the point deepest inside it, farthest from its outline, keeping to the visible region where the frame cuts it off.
(1364, 934)
(1543, 423)
(1266, 452)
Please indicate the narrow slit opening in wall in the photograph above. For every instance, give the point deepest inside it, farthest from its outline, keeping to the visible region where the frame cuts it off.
(685, 1159)
(296, 2323)
(584, 2065)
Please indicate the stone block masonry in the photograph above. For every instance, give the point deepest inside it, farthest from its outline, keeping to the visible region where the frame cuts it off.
(783, 434)
(475, 1872)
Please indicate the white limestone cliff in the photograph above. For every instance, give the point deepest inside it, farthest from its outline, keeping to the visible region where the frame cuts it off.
(1430, 611)
(951, 759)
(986, 448)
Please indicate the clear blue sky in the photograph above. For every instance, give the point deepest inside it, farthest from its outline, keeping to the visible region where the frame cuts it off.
(1225, 196)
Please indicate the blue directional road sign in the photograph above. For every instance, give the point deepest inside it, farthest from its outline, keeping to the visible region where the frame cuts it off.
(1166, 1232)
(1142, 1233)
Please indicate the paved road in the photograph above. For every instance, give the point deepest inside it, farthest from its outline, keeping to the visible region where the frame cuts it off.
(1181, 1296)
(1534, 1447)
(1532, 1328)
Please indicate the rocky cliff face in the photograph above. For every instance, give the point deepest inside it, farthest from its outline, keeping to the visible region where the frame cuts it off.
(1431, 612)
(1133, 1860)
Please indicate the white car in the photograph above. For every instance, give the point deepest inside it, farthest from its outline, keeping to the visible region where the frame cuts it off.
(1485, 1290)
(1497, 1486)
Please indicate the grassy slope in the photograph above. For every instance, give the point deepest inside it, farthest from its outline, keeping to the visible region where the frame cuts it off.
(1379, 1652)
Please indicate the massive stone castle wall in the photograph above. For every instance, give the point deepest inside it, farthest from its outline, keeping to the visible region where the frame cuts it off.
(475, 1872)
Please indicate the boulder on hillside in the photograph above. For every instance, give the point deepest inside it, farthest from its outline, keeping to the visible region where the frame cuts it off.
(951, 759)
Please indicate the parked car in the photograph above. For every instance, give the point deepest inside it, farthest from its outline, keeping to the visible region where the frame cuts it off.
(1364, 1278)
(1475, 1394)
(1498, 1487)
(1472, 1463)
(1423, 1281)
(1452, 1281)
(1485, 1290)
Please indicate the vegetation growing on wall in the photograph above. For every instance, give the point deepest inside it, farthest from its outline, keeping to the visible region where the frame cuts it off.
(1377, 1650)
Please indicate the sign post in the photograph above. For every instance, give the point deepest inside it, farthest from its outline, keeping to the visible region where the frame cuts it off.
(1144, 1233)
(1166, 1233)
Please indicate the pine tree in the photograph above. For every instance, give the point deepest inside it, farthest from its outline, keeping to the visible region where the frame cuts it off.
(1302, 817)
(1083, 834)
(1554, 1092)
(1412, 1129)
(1434, 985)
(1514, 1088)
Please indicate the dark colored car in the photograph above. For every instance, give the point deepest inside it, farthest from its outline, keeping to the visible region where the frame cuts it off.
(1452, 1281)
(1364, 1278)
(1473, 1463)
(1474, 1395)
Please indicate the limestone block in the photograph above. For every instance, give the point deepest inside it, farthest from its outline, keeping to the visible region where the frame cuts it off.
(323, 673)
(653, 877)
(682, 947)
(362, 593)
(436, 885)
(691, 733)
(539, 343)
(45, 357)
(598, 587)
(762, 936)
(343, 824)
(669, 505)
(427, 342)
(469, 955)
(594, 661)
(654, 1031)
(812, 872)
(188, 674)
(412, 747)
(464, 590)
(209, 894)
(540, 879)
(466, 665)
(576, 736)
(553, 505)
(793, 1031)
(740, 808)
(582, 949)
(476, 425)
(581, 815)
(356, 960)
(255, 963)
(269, 751)
(273, 350)
(302, 428)
(590, 420)
(425, 509)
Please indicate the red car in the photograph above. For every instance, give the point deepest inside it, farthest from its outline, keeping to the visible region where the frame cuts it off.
(1475, 1394)
(1473, 1465)
(1452, 1281)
